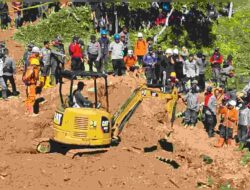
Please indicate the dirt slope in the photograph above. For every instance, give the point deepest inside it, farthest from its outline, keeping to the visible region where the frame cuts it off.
(123, 167)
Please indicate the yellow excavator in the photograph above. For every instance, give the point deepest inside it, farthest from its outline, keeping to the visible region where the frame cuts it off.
(94, 127)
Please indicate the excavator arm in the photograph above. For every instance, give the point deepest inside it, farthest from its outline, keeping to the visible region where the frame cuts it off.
(124, 113)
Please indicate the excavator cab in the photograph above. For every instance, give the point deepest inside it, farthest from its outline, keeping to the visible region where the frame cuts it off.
(88, 126)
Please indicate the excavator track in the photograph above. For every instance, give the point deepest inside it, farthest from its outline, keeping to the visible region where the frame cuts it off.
(73, 152)
(42, 145)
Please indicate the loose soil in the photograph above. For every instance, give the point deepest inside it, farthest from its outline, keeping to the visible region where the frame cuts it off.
(125, 166)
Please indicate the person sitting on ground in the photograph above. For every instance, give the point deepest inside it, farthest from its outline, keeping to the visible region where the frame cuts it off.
(78, 99)
(130, 61)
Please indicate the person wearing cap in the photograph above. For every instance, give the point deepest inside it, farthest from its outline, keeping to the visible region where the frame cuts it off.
(228, 126)
(76, 54)
(190, 69)
(116, 51)
(216, 60)
(130, 60)
(93, 52)
(202, 64)
(166, 65)
(140, 48)
(209, 112)
(79, 101)
(192, 102)
(26, 56)
(226, 72)
(31, 78)
(104, 43)
(149, 61)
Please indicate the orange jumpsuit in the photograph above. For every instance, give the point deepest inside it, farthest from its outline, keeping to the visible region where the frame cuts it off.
(230, 117)
(32, 74)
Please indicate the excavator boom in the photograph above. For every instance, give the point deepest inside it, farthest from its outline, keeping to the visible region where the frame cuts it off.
(121, 117)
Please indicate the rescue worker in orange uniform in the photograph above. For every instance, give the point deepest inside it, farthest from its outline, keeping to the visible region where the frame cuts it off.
(31, 79)
(130, 61)
(141, 47)
(228, 127)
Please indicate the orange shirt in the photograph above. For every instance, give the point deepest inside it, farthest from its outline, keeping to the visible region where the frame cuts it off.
(230, 117)
(140, 48)
(130, 61)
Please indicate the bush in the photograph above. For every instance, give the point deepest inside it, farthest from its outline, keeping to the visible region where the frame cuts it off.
(66, 23)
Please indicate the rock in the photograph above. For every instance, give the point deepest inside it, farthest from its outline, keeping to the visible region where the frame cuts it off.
(66, 179)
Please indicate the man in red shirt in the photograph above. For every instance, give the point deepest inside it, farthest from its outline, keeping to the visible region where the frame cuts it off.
(216, 60)
(76, 55)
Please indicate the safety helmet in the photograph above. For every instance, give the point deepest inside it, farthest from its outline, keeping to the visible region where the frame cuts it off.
(130, 52)
(30, 45)
(140, 35)
(169, 51)
(122, 34)
(35, 50)
(173, 74)
(117, 37)
(176, 51)
(232, 103)
(104, 32)
(194, 82)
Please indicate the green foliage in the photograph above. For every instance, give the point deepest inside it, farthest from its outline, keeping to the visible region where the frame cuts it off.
(226, 186)
(245, 159)
(67, 23)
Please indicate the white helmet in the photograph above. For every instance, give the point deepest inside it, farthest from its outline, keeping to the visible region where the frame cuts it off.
(176, 52)
(35, 50)
(232, 103)
(169, 51)
(130, 52)
(140, 35)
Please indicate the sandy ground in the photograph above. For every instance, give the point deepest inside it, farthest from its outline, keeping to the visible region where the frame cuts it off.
(126, 166)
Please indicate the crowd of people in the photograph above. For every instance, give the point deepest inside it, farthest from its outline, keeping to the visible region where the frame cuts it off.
(173, 67)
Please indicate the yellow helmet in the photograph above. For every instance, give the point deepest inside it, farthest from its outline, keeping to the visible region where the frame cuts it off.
(173, 74)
